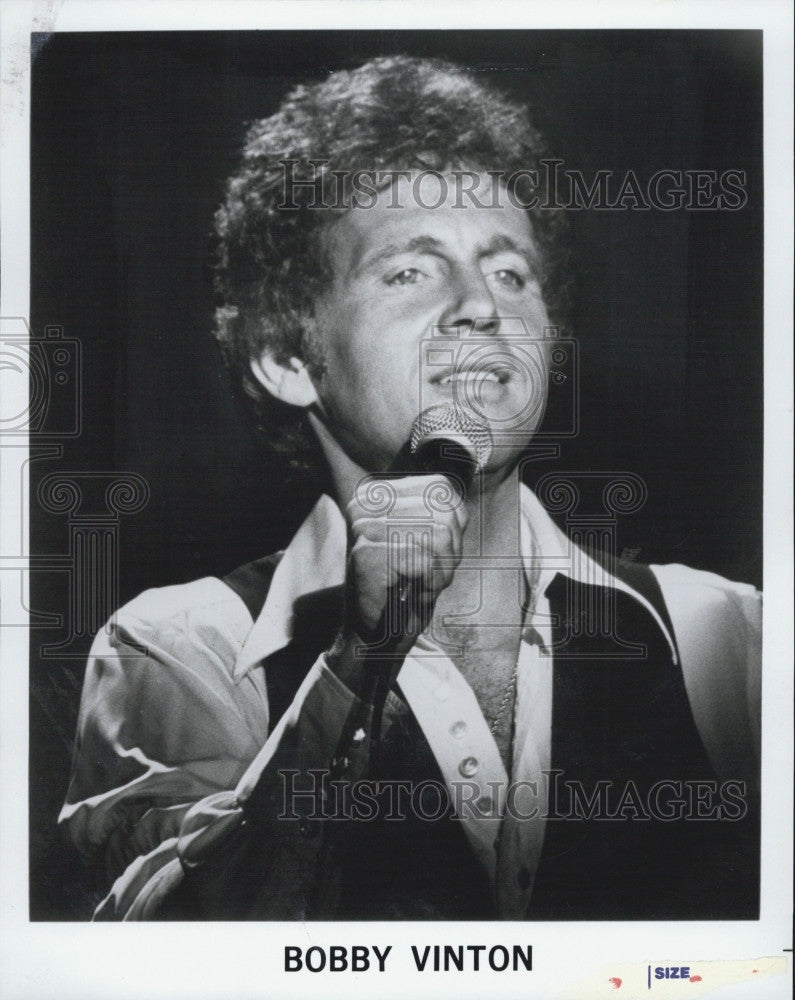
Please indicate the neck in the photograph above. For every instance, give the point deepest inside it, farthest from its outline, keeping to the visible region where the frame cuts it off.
(494, 507)
(485, 581)
(345, 473)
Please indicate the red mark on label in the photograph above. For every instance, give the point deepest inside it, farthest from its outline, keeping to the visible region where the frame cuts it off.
(616, 982)
(754, 971)
(695, 979)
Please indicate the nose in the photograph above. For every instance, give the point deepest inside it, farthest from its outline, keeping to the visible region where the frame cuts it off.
(471, 308)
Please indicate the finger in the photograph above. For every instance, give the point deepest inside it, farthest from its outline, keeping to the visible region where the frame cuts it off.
(413, 559)
(445, 537)
(411, 496)
(378, 566)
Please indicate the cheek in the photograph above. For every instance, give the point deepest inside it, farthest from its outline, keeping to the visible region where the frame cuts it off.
(361, 373)
(536, 317)
(379, 340)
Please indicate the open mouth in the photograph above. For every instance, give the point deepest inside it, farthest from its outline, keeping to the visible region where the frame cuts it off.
(453, 376)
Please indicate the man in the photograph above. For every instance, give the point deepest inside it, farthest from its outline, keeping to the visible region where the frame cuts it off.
(432, 704)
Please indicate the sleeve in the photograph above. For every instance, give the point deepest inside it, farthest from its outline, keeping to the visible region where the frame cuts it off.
(170, 747)
(259, 852)
(718, 629)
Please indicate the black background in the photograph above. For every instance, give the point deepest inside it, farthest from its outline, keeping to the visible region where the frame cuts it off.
(132, 136)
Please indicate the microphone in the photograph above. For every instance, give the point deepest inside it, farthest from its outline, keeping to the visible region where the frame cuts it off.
(449, 441)
(445, 440)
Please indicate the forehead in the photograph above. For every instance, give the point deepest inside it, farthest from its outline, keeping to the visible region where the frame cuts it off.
(460, 212)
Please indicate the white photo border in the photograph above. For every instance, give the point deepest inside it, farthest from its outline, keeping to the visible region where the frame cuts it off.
(245, 960)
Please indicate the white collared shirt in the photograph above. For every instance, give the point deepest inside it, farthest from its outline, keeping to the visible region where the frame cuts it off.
(174, 716)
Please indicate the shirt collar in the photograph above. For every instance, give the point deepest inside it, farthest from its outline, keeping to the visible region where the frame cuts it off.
(546, 546)
(316, 558)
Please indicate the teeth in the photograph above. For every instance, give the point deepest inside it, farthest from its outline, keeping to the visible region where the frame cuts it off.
(463, 376)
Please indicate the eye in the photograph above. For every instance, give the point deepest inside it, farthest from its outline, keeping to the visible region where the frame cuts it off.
(408, 276)
(510, 278)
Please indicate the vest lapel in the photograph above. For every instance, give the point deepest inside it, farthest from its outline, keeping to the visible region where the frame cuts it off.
(619, 727)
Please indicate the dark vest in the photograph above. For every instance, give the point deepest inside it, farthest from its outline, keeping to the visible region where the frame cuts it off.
(620, 715)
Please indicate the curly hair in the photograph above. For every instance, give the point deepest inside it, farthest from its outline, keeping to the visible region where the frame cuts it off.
(392, 113)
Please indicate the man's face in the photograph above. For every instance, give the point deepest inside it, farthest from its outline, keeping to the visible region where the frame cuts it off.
(431, 305)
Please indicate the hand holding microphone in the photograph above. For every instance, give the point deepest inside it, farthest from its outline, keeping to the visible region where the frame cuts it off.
(404, 553)
(406, 548)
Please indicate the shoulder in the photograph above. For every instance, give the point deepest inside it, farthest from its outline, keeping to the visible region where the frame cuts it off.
(160, 685)
(686, 576)
(162, 719)
(718, 628)
(205, 612)
(217, 611)
(697, 596)
(169, 646)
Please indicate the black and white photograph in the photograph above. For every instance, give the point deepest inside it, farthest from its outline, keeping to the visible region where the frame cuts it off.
(394, 495)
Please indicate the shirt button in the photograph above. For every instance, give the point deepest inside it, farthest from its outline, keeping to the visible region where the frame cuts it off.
(442, 692)
(485, 805)
(458, 729)
(469, 767)
(358, 738)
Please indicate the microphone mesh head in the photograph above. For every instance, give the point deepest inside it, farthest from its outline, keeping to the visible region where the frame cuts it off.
(449, 421)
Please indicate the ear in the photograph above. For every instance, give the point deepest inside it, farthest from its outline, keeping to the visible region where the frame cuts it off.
(289, 382)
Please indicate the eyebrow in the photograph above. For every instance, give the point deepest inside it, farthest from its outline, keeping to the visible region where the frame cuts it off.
(431, 245)
(418, 244)
(505, 244)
